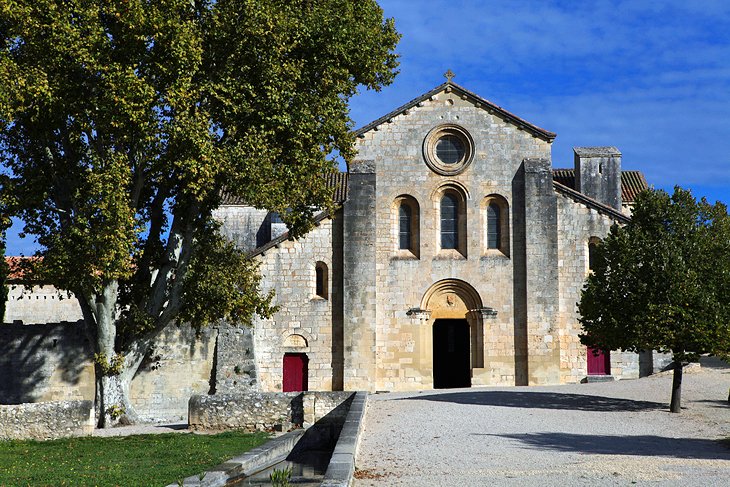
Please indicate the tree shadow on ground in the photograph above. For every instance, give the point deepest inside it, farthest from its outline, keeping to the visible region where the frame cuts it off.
(642, 445)
(715, 403)
(541, 400)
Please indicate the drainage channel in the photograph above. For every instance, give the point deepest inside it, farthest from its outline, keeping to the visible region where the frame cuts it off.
(323, 454)
(307, 469)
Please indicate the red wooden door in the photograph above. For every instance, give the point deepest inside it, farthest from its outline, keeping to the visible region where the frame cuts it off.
(599, 362)
(295, 372)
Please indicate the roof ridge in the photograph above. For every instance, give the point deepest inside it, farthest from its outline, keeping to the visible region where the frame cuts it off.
(514, 119)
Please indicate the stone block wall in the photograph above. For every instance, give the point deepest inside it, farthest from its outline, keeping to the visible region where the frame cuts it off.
(246, 226)
(179, 366)
(262, 411)
(50, 362)
(305, 323)
(577, 224)
(47, 361)
(402, 353)
(235, 364)
(40, 305)
(46, 420)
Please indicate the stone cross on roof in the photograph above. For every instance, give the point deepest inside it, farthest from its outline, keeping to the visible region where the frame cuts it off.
(449, 75)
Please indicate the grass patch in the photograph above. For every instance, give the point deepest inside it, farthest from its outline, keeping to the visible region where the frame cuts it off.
(154, 460)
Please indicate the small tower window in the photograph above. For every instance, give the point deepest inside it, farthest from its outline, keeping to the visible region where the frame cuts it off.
(321, 279)
(449, 222)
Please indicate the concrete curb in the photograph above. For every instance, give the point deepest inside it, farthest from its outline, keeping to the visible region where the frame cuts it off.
(341, 468)
(246, 464)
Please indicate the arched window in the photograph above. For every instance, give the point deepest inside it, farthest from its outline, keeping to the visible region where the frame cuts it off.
(494, 232)
(321, 279)
(449, 221)
(495, 211)
(405, 220)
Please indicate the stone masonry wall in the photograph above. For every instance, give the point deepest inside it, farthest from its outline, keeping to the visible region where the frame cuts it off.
(403, 347)
(46, 420)
(42, 360)
(246, 226)
(40, 305)
(577, 224)
(262, 411)
(304, 322)
(235, 364)
(50, 362)
(179, 366)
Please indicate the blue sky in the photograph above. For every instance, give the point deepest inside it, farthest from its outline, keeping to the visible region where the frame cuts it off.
(649, 77)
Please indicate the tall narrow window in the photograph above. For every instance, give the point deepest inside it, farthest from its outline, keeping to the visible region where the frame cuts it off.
(592, 254)
(320, 288)
(494, 233)
(406, 225)
(405, 218)
(449, 222)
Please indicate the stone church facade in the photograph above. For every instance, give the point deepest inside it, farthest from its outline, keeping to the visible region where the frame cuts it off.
(456, 257)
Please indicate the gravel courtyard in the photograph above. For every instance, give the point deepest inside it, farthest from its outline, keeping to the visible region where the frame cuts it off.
(617, 433)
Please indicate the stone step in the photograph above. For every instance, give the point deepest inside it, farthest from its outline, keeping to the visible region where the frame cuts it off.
(599, 378)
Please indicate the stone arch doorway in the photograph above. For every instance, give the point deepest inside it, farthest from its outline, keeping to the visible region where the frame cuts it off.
(455, 309)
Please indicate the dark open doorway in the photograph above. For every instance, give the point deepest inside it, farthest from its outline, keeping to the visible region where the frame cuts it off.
(451, 354)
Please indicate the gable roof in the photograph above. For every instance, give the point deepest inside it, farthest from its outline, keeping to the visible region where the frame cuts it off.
(336, 180)
(632, 182)
(474, 98)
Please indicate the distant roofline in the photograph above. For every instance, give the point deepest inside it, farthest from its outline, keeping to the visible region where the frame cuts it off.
(514, 119)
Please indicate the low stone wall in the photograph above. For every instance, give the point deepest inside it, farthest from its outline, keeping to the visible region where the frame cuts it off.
(262, 411)
(46, 420)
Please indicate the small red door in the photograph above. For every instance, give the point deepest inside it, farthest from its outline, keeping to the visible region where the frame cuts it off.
(295, 372)
(599, 364)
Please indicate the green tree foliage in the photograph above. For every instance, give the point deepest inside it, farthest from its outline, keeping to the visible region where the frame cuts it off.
(122, 121)
(662, 282)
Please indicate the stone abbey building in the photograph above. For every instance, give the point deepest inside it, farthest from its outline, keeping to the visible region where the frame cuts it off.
(456, 258)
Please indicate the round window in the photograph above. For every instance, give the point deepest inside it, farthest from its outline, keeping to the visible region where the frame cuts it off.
(448, 149)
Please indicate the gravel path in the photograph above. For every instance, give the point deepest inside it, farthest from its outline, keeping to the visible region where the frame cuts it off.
(617, 433)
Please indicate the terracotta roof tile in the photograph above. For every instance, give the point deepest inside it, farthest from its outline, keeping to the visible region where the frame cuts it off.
(632, 182)
(18, 267)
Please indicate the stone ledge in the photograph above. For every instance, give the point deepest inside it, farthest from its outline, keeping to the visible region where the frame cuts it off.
(342, 464)
(46, 420)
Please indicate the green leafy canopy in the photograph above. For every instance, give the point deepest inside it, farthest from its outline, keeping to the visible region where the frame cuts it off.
(122, 121)
(662, 282)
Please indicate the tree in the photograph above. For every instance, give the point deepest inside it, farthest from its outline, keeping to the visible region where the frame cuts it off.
(122, 121)
(662, 282)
